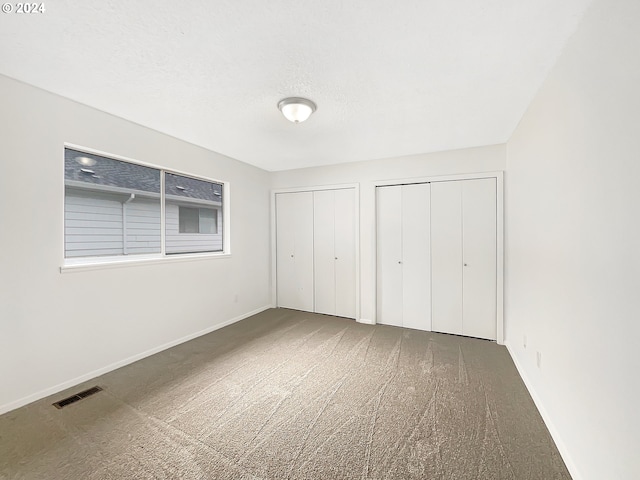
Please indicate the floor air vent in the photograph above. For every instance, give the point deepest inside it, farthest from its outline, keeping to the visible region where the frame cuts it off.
(77, 397)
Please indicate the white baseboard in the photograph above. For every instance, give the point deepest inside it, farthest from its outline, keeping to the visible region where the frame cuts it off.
(101, 371)
(555, 434)
(366, 320)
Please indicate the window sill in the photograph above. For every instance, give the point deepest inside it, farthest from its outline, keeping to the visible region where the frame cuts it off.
(119, 262)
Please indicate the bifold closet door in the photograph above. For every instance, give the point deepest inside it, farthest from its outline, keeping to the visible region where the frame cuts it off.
(294, 250)
(480, 258)
(416, 265)
(446, 257)
(345, 252)
(404, 256)
(334, 252)
(389, 251)
(464, 258)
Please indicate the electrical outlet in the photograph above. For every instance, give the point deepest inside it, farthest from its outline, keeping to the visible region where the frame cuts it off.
(524, 341)
(538, 359)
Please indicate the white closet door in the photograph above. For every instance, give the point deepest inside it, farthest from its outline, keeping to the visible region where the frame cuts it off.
(389, 252)
(294, 250)
(323, 251)
(416, 268)
(345, 252)
(479, 250)
(446, 257)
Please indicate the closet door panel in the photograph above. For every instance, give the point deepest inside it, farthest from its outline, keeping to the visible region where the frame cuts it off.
(416, 292)
(446, 257)
(345, 253)
(479, 247)
(389, 251)
(294, 250)
(323, 251)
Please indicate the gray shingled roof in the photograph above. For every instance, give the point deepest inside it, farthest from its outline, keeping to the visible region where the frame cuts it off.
(103, 171)
(179, 186)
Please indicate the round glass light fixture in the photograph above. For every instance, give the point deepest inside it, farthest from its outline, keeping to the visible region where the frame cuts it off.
(296, 109)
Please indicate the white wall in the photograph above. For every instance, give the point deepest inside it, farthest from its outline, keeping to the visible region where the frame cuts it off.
(572, 243)
(56, 328)
(471, 160)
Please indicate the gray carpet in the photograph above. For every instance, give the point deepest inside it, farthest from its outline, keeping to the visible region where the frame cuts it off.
(288, 394)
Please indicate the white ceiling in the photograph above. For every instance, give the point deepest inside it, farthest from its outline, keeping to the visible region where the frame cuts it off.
(390, 78)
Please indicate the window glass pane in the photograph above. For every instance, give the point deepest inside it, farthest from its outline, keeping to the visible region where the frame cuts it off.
(208, 220)
(111, 207)
(188, 220)
(193, 217)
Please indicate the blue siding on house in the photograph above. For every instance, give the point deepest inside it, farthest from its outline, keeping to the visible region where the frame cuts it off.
(176, 242)
(95, 225)
(143, 227)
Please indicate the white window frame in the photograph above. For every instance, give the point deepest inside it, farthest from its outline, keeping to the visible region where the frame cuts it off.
(75, 264)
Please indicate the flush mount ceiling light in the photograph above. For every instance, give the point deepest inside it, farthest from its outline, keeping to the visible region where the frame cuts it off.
(296, 109)
(85, 161)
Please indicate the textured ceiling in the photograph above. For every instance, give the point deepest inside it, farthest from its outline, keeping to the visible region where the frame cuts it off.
(390, 78)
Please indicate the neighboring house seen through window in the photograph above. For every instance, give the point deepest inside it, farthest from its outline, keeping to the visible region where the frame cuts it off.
(192, 208)
(113, 208)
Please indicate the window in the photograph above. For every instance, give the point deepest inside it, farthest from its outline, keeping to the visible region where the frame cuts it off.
(197, 220)
(113, 208)
(189, 220)
(193, 211)
(208, 218)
